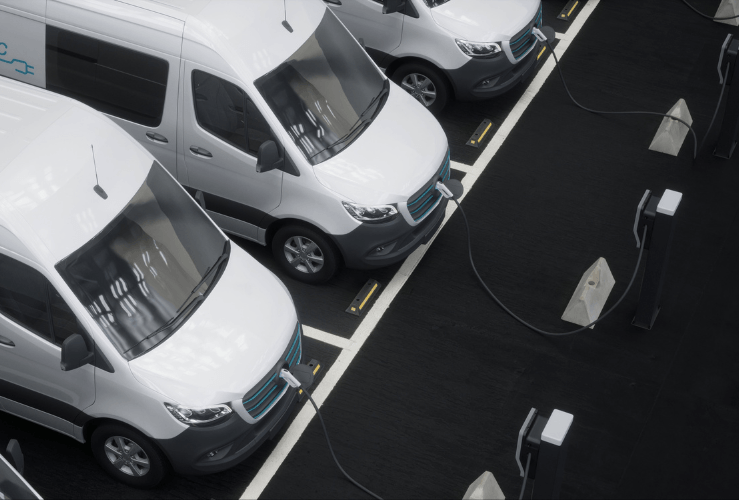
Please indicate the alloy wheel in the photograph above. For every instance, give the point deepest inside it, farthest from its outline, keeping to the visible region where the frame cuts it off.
(421, 87)
(303, 254)
(127, 456)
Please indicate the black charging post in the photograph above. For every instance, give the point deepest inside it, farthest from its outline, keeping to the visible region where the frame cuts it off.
(658, 215)
(542, 444)
(730, 126)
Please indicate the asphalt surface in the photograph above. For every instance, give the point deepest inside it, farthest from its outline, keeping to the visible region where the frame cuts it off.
(438, 392)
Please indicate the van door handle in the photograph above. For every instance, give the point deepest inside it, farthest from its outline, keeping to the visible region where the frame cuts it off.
(200, 152)
(335, 2)
(6, 341)
(156, 137)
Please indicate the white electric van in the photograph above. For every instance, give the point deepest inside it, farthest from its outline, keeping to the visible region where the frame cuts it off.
(439, 49)
(127, 319)
(268, 112)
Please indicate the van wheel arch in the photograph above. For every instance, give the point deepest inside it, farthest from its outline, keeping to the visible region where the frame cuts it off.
(326, 248)
(280, 223)
(393, 67)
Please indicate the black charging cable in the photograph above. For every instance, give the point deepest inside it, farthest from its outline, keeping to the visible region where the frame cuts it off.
(528, 325)
(707, 16)
(718, 105)
(525, 477)
(695, 137)
(331, 449)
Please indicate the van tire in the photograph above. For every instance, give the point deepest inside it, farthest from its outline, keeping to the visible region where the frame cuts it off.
(411, 74)
(305, 254)
(118, 436)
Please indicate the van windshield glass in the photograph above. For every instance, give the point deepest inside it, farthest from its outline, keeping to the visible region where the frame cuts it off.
(150, 268)
(321, 92)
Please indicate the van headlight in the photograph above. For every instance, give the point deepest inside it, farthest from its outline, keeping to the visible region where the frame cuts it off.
(478, 49)
(198, 416)
(371, 213)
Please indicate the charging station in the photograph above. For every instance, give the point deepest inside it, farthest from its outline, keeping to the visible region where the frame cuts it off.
(542, 450)
(657, 214)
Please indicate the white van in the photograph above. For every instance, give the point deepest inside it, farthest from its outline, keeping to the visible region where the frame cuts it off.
(439, 49)
(127, 319)
(268, 112)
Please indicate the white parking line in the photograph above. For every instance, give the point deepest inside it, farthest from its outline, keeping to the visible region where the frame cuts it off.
(461, 166)
(328, 338)
(332, 376)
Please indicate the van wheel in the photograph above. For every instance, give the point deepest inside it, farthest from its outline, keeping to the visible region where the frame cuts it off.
(306, 254)
(129, 456)
(424, 83)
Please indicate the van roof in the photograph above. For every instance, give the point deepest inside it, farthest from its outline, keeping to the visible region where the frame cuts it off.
(47, 170)
(244, 39)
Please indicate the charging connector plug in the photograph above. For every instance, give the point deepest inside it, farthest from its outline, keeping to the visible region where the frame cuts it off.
(289, 378)
(451, 189)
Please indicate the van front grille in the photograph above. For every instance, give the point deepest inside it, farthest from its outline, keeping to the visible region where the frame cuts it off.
(268, 391)
(425, 199)
(523, 41)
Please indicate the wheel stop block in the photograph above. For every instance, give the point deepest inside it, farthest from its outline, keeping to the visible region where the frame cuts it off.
(483, 132)
(362, 301)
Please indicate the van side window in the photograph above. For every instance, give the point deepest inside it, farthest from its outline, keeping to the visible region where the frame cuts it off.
(112, 79)
(23, 296)
(224, 110)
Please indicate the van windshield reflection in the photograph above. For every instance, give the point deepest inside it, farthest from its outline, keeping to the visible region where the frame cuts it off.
(320, 93)
(150, 268)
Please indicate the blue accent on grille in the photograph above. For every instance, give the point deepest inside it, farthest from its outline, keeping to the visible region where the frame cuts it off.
(427, 200)
(520, 47)
(273, 385)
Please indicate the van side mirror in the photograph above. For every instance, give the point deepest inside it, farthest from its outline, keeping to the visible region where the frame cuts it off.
(75, 353)
(392, 6)
(268, 157)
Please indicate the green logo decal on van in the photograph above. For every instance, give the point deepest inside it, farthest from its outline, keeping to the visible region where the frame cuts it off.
(26, 67)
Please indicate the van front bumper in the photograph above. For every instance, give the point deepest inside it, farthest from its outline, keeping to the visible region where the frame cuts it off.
(372, 246)
(485, 78)
(234, 440)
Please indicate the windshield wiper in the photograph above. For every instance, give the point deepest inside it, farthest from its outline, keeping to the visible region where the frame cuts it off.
(361, 121)
(224, 256)
(180, 313)
(174, 319)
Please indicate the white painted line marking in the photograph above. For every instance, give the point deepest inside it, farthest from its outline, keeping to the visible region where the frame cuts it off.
(332, 376)
(461, 166)
(328, 338)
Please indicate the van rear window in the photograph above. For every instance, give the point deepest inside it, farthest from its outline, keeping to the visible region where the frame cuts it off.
(110, 78)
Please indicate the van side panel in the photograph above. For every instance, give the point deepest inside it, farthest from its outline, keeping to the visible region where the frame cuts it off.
(22, 40)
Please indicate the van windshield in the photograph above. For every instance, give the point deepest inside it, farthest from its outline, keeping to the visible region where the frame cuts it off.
(150, 268)
(326, 93)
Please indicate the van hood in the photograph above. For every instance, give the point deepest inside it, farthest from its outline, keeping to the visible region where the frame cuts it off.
(393, 157)
(234, 338)
(485, 21)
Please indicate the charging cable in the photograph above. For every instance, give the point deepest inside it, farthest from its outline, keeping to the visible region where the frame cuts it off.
(295, 383)
(525, 477)
(718, 104)
(543, 38)
(707, 16)
(447, 193)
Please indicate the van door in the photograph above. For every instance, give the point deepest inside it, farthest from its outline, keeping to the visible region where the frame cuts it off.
(135, 86)
(34, 321)
(364, 19)
(223, 130)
